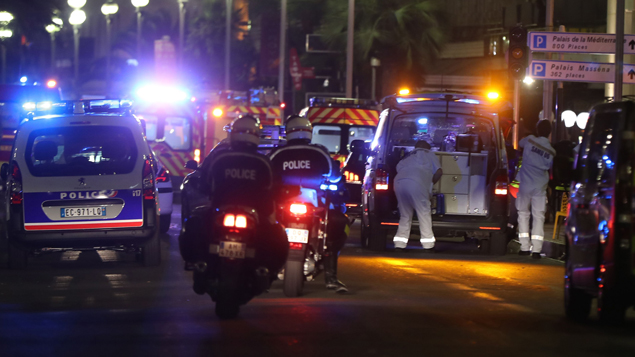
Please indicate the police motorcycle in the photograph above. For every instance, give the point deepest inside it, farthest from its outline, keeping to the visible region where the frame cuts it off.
(306, 215)
(234, 243)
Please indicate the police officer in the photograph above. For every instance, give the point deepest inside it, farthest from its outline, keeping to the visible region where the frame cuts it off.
(238, 175)
(532, 192)
(416, 173)
(304, 164)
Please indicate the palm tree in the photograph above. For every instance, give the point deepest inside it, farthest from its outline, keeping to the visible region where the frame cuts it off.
(406, 35)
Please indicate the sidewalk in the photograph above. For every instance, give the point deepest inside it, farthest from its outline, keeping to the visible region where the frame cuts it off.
(551, 248)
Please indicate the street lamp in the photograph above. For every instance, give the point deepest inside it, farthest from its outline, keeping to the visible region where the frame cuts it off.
(182, 4)
(76, 4)
(374, 63)
(5, 18)
(109, 8)
(138, 4)
(76, 19)
(52, 29)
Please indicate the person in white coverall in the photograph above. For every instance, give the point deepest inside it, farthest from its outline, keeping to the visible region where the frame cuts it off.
(532, 192)
(416, 173)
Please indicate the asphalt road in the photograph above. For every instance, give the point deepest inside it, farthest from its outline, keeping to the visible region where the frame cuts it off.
(457, 302)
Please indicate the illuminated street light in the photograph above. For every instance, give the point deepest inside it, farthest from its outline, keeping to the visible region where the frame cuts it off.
(76, 4)
(76, 19)
(138, 4)
(56, 20)
(582, 119)
(108, 9)
(528, 80)
(5, 17)
(569, 118)
(5, 33)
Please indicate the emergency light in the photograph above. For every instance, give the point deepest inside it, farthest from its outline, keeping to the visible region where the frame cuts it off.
(161, 94)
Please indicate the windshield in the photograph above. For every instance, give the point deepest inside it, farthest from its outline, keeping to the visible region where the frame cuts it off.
(177, 131)
(329, 136)
(443, 133)
(597, 152)
(81, 151)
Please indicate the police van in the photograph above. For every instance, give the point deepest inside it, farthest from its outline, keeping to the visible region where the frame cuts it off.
(81, 180)
(470, 199)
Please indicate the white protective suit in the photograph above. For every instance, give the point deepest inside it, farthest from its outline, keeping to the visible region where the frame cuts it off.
(413, 187)
(533, 176)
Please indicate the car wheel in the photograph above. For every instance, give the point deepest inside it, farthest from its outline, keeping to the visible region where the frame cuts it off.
(611, 306)
(498, 243)
(151, 253)
(377, 236)
(164, 223)
(364, 234)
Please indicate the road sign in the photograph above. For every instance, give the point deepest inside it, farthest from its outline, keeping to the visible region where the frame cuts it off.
(571, 71)
(578, 42)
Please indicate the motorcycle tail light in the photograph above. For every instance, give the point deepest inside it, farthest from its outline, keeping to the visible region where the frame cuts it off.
(381, 180)
(501, 186)
(229, 220)
(298, 208)
(241, 221)
(351, 177)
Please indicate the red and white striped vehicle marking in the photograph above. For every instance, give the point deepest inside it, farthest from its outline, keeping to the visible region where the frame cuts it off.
(346, 116)
(83, 225)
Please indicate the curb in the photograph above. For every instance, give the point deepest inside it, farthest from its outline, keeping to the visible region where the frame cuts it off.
(551, 249)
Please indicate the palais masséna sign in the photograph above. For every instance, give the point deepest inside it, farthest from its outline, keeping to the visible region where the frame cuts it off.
(571, 71)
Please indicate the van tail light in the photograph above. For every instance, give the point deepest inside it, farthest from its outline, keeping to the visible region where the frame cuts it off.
(351, 177)
(148, 181)
(501, 185)
(298, 209)
(238, 221)
(381, 180)
(163, 176)
(16, 185)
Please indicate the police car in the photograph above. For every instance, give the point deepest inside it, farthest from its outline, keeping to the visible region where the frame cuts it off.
(470, 199)
(81, 180)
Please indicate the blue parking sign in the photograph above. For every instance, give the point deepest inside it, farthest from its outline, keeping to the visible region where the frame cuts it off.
(540, 41)
(538, 69)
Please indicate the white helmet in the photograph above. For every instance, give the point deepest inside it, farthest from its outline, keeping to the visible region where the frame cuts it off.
(298, 127)
(245, 129)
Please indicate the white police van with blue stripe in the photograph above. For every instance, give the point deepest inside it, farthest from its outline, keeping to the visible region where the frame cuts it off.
(81, 180)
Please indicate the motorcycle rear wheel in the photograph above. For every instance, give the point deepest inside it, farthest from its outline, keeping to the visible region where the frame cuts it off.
(293, 279)
(226, 310)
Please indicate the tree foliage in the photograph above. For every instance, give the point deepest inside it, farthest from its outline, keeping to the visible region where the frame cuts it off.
(406, 35)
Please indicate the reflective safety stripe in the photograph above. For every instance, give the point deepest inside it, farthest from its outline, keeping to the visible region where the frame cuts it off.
(537, 237)
(515, 184)
(427, 240)
(399, 239)
(523, 235)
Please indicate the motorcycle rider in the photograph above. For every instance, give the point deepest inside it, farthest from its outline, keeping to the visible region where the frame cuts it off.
(237, 175)
(304, 164)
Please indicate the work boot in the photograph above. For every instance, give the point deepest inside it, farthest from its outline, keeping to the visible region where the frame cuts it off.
(524, 252)
(330, 274)
(536, 255)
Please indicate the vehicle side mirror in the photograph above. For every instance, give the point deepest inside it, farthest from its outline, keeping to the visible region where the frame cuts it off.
(191, 164)
(4, 171)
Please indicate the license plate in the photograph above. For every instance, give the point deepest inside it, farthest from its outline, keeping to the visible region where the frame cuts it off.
(82, 212)
(232, 250)
(297, 235)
